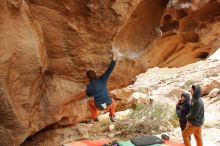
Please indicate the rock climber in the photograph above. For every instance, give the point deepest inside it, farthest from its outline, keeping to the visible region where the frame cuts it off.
(97, 90)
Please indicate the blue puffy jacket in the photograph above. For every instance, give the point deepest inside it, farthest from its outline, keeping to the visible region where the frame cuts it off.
(97, 88)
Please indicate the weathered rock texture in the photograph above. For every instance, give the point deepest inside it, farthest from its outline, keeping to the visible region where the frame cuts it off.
(46, 47)
(161, 85)
(190, 32)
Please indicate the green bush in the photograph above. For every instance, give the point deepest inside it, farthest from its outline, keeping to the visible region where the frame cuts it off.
(142, 90)
(147, 119)
(174, 120)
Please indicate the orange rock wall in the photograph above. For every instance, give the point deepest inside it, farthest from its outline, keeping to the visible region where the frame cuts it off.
(47, 46)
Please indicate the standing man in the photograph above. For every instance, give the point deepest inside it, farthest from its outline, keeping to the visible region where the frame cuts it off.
(195, 118)
(97, 88)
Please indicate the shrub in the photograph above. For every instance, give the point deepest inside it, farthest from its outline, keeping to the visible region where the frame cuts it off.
(146, 119)
(174, 120)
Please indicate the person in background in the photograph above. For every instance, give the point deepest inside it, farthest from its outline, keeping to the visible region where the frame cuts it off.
(182, 109)
(195, 118)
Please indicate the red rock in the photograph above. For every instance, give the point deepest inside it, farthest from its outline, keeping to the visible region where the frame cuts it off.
(47, 46)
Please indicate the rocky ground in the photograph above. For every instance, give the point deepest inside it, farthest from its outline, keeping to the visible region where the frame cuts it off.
(161, 86)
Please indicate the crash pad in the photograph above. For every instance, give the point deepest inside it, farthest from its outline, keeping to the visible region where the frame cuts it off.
(172, 143)
(77, 143)
(120, 143)
(94, 142)
(125, 143)
(87, 143)
(169, 143)
(166, 143)
(146, 140)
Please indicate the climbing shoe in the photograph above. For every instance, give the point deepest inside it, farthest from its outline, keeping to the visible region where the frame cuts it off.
(96, 120)
(112, 118)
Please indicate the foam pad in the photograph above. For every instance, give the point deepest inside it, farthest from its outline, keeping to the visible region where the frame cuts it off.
(77, 143)
(125, 143)
(146, 140)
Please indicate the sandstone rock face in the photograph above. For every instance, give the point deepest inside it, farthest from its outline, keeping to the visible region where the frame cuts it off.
(188, 30)
(161, 85)
(60, 135)
(167, 84)
(138, 33)
(47, 46)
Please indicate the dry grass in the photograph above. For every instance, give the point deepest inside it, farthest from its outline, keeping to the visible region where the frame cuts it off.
(146, 119)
